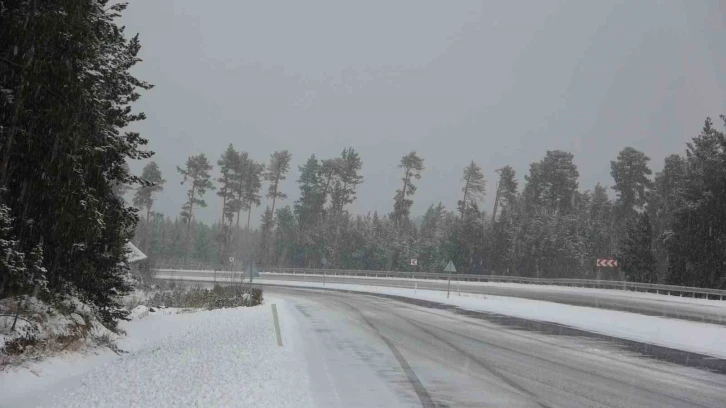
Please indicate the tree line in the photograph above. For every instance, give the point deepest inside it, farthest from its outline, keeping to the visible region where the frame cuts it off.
(667, 227)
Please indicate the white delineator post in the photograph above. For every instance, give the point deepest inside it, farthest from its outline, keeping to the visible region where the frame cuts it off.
(277, 325)
(449, 268)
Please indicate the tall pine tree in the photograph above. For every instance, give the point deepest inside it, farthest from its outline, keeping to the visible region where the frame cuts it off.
(637, 260)
(66, 95)
(412, 166)
(196, 174)
(275, 173)
(473, 189)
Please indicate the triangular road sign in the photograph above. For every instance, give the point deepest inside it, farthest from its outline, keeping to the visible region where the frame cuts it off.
(450, 267)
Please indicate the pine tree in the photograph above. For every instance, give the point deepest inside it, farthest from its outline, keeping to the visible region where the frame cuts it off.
(412, 166)
(227, 165)
(558, 175)
(474, 187)
(665, 199)
(276, 172)
(144, 196)
(196, 173)
(533, 189)
(120, 188)
(252, 185)
(506, 190)
(241, 166)
(154, 183)
(696, 242)
(347, 178)
(630, 172)
(637, 261)
(64, 150)
(503, 232)
(310, 204)
(12, 259)
(266, 227)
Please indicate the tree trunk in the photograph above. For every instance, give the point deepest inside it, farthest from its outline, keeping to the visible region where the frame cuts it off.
(496, 201)
(224, 204)
(463, 200)
(274, 197)
(148, 230)
(403, 197)
(189, 222)
(249, 215)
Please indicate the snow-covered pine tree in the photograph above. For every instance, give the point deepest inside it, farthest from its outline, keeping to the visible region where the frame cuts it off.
(412, 166)
(275, 173)
(637, 260)
(64, 145)
(196, 173)
(144, 197)
(474, 187)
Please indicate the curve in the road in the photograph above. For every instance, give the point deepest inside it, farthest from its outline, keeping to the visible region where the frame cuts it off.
(653, 351)
(461, 361)
(612, 301)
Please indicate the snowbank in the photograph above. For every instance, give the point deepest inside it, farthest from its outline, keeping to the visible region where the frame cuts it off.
(43, 329)
(220, 358)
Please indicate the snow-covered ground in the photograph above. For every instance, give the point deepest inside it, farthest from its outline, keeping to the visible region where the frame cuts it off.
(679, 334)
(220, 358)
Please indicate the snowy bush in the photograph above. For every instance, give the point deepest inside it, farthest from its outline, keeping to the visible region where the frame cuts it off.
(43, 328)
(216, 298)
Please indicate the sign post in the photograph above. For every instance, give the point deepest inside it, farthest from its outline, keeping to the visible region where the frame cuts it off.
(231, 272)
(449, 268)
(252, 273)
(324, 261)
(605, 263)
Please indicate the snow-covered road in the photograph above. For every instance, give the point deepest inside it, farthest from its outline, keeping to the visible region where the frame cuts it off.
(355, 350)
(366, 351)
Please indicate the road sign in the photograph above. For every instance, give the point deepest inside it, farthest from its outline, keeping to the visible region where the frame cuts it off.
(324, 261)
(414, 262)
(607, 262)
(231, 259)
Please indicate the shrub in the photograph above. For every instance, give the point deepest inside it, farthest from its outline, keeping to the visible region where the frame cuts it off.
(215, 298)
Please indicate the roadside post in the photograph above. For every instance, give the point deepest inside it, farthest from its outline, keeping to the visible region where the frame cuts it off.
(252, 274)
(324, 261)
(231, 266)
(449, 268)
(276, 322)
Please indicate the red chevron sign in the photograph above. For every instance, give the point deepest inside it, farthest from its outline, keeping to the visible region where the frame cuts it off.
(608, 263)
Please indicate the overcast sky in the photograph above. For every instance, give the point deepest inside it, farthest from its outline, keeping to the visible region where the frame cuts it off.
(495, 82)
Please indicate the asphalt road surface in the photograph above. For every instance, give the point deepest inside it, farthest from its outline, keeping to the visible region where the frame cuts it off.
(665, 306)
(366, 351)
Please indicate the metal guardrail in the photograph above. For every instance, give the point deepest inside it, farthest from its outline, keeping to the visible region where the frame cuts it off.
(587, 283)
